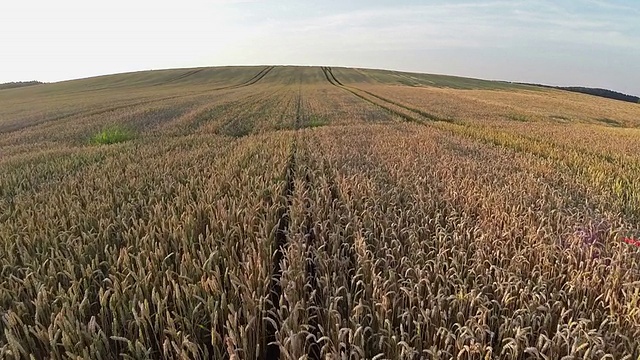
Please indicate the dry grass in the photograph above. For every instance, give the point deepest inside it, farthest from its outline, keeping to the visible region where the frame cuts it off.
(271, 213)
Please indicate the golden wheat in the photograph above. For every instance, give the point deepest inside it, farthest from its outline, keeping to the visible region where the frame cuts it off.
(273, 212)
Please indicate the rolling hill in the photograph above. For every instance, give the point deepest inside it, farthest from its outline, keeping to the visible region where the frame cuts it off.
(275, 212)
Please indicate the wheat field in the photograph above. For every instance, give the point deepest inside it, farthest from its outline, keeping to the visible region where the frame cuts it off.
(316, 213)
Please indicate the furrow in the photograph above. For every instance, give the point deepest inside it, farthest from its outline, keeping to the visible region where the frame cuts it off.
(272, 324)
(183, 76)
(402, 111)
(259, 76)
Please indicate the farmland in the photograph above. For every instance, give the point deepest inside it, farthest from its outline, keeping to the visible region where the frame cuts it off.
(313, 212)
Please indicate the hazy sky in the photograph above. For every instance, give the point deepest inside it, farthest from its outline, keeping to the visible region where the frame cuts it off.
(578, 42)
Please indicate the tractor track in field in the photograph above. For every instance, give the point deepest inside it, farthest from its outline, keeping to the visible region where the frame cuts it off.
(408, 113)
(254, 79)
(329, 74)
(259, 76)
(299, 112)
(315, 293)
(272, 325)
(17, 127)
(183, 76)
(312, 284)
(282, 238)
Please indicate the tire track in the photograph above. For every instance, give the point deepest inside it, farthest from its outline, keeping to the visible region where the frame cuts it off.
(313, 288)
(183, 76)
(259, 76)
(315, 293)
(271, 318)
(422, 113)
(405, 112)
(299, 116)
(330, 71)
(328, 76)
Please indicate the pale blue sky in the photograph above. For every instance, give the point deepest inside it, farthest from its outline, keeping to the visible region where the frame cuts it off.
(582, 42)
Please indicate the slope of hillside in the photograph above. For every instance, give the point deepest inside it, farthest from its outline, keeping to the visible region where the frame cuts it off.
(18, 84)
(280, 212)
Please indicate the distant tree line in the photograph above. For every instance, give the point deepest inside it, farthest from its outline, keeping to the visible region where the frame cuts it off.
(609, 94)
(17, 84)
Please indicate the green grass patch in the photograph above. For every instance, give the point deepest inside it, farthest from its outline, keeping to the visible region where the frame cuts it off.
(112, 135)
(315, 121)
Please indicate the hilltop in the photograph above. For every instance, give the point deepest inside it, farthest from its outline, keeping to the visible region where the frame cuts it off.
(13, 85)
